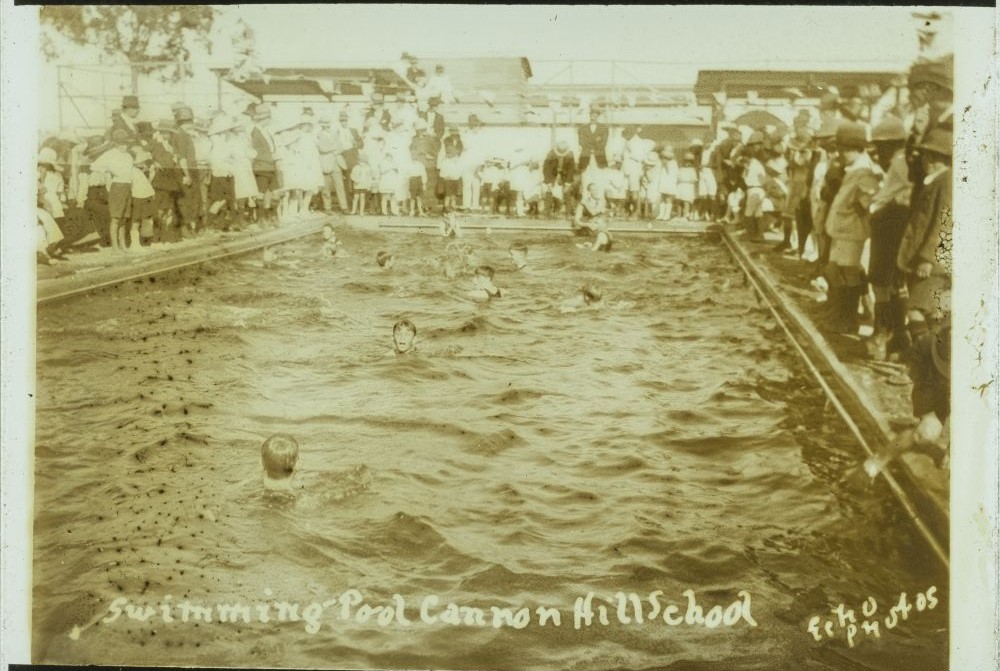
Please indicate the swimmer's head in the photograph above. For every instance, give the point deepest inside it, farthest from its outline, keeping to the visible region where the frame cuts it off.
(385, 260)
(486, 272)
(279, 454)
(483, 277)
(518, 253)
(591, 294)
(328, 233)
(404, 334)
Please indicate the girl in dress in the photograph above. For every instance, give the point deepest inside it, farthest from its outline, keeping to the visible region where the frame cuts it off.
(707, 186)
(668, 184)
(687, 185)
(244, 181)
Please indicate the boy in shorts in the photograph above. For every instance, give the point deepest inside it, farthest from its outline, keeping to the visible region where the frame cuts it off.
(117, 164)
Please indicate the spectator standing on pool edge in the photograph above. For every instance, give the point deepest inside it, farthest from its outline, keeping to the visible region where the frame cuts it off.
(118, 164)
(848, 225)
(593, 141)
(925, 251)
(890, 215)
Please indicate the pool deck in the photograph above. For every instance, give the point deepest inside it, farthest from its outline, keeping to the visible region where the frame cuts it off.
(873, 394)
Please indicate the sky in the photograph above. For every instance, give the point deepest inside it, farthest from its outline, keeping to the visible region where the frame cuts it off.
(687, 38)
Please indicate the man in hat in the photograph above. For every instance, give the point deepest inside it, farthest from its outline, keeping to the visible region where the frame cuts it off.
(440, 86)
(189, 203)
(128, 119)
(925, 251)
(799, 158)
(636, 149)
(349, 145)
(424, 148)
(593, 140)
(890, 215)
(826, 178)
(931, 92)
(726, 171)
(474, 142)
(265, 167)
(433, 117)
(848, 226)
(330, 151)
(378, 112)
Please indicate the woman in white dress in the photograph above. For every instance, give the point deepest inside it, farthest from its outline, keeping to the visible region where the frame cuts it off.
(244, 182)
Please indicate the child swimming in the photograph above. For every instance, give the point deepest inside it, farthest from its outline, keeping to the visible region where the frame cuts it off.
(485, 290)
(279, 455)
(518, 252)
(404, 337)
(385, 260)
(331, 245)
(589, 296)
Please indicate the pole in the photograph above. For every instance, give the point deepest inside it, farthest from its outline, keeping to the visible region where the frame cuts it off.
(218, 90)
(59, 94)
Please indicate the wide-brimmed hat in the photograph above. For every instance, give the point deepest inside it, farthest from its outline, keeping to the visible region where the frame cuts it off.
(938, 141)
(938, 73)
(48, 156)
(183, 115)
(261, 112)
(828, 128)
(130, 102)
(852, 135)
(221, 124)
(889, 129)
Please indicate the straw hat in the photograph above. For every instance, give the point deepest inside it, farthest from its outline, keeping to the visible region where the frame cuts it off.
(888, 130)
(222, 124)
(852, 135)
(47, 156)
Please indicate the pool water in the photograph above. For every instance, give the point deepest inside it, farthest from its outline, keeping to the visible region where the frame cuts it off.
(665, 439)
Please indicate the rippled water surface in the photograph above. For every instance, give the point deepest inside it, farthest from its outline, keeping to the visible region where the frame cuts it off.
(523, 457)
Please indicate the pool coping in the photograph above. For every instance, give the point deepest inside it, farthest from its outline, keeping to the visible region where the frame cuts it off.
(861, 407)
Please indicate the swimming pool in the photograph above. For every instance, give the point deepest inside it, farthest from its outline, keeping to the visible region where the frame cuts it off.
(523, 457)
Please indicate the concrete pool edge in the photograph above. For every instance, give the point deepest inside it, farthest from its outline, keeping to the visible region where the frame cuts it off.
(917, 484)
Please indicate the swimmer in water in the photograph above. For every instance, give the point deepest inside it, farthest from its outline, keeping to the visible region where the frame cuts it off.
(385, 260)
(589, 296)
(518, 254)
(331, 246)
(279, 455)
(404, 337)
(449, 226)
(485, 290)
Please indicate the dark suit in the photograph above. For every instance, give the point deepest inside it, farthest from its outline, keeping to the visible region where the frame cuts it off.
(593, 143)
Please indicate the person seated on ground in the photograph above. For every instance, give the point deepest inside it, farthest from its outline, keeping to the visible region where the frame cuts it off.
(485, 290)
(589, 211)
(602, 239)
(279, 455)
(404, 337)
(385, 260)
(518, 252)
(588, 295)
(450, 227)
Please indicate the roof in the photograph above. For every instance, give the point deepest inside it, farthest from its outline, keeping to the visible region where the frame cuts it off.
(505, 76)
(309, 81)
(786, 83)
